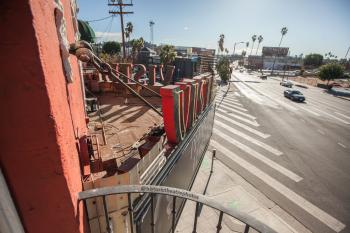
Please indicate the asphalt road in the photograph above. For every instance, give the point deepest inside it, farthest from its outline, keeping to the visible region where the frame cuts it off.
(298, 154)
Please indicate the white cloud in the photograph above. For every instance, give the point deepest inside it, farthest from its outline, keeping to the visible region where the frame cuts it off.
(108, 36)
(186, 28)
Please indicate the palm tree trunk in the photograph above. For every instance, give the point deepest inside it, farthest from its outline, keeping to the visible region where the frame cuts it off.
(252, 49)
(274, 61)
(257, 49)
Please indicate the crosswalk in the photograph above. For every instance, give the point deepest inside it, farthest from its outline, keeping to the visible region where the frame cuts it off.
(238, 140)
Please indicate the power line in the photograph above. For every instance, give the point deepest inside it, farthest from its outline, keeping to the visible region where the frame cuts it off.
(96, 20)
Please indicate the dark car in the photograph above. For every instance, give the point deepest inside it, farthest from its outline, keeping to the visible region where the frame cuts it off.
(294, 95)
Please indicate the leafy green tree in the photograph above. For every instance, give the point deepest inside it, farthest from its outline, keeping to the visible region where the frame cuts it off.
(137, 45)
(167, 54)
(313, 59)
(331, 71)
(223, 68)
(111, 47)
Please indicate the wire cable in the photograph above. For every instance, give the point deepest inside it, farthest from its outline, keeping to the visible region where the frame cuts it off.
(96, 20)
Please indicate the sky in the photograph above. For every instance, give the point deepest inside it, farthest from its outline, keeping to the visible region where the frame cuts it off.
(314, 26)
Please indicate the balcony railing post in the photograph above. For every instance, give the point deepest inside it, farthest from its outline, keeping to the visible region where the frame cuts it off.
(152, 213)
(174, 215)
(212, 161)
(108, 226)
(218, 227)
(246, 229)
(131, 213)
(195, 219)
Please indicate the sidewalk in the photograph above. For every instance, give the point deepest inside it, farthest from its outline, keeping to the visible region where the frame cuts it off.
(232, 190)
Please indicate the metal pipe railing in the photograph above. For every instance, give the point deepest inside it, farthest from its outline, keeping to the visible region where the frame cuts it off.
(249, 221)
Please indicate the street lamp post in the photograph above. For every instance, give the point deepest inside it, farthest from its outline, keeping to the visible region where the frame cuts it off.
(234, 46)
(347, 53)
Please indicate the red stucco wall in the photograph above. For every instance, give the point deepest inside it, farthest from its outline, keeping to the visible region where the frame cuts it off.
(41, 116)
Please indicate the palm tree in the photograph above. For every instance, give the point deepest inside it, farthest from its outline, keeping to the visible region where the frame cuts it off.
(247, 45)
(253, 39)
(226, 51)
(128, 31)
(137, 45)
(284, 31)
(167, 54)
(260, 39)
(244, 53)
(221, 42)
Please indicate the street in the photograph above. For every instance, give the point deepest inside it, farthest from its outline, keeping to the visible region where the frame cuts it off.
(297, 154)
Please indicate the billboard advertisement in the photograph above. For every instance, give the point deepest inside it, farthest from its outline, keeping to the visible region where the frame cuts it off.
(275, 51)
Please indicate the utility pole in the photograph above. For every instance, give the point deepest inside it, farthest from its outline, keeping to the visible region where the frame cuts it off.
(120, 4)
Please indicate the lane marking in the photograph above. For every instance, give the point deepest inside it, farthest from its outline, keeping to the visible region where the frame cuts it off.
(342, 145)
(310, 111)
(340, 114)
(236, 111)
(254, 131)
(291, 175)
(334, 117)
(249, 138)
(313, 210)
(254, 123)
(234, 106)
(321, 132)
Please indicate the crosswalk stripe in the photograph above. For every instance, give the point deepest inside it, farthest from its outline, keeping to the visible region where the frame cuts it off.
(228, 99)
(251, 130)
(234, 106)
(230, 102)
(254, 123)
(236, 111)
(291, 175)
(313, 210)
(249, 138)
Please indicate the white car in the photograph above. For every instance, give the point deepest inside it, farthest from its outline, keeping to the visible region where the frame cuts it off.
(286, 83)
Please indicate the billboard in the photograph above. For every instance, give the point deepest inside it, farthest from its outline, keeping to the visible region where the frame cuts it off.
(275, 51)
(255, 62)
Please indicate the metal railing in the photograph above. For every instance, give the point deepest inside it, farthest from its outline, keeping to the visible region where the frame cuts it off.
(249, 221)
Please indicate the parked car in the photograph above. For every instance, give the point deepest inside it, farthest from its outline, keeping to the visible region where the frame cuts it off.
(263, 77)
(294, 95)
(286, 83)
(336, 85)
